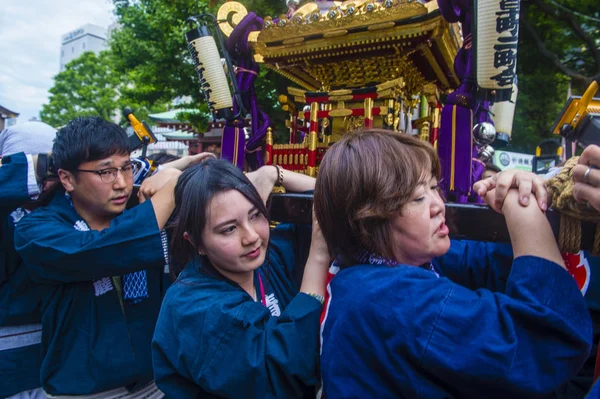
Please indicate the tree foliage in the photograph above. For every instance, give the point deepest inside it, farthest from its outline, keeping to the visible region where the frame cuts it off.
(558, 48)
(148, 65)
(87, 87)
(151, 50)
(566, 35)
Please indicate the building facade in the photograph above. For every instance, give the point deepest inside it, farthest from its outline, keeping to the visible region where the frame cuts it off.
(7, 118)
(89, 37)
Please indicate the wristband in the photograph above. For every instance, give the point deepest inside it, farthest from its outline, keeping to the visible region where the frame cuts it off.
(319, 298)
(279, 180)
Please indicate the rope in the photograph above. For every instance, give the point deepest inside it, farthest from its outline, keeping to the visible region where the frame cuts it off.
(572, 212)
(569, 236)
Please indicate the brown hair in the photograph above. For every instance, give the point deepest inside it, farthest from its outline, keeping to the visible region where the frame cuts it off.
(364, 180)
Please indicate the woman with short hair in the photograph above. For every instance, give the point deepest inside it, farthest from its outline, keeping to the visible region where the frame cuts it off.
(412, 314)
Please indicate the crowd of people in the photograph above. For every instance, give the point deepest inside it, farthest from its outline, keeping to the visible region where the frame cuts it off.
(192, 294)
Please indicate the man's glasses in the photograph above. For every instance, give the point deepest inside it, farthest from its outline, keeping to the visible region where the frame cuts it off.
(109, 175)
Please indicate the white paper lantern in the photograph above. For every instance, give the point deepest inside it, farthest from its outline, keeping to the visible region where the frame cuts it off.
(207, 60)
(495, 38)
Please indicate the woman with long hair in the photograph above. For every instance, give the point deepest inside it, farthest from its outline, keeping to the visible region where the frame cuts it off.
(411, 314)
(235, 324)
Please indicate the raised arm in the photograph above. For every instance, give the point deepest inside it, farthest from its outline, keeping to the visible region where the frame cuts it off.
(315, 271)
(55, 251)
(265, 178)
(187, 161)
(487, 265)
(530, 232)
(526, 340)
(477, 264)
(160, 188)
(314, 280)
(534, 335)
(529, 339)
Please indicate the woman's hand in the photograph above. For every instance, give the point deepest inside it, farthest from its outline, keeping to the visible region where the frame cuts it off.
(586, 176)
(314, 280)
(494, 190)
(318, 245)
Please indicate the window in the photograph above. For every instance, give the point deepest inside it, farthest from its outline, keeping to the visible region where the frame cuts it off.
(83, 45)
(73, 49)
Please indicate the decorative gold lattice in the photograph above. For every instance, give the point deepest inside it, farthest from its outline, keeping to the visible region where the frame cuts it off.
(354, 123)
(360, 72)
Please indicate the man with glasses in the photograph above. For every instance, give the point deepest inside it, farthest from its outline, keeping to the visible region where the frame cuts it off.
(99, 267)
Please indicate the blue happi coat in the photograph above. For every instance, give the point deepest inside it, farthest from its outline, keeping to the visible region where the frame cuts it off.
(213, 340)
(483, 328)
(585, 269)
(93, 339)
(20, 329)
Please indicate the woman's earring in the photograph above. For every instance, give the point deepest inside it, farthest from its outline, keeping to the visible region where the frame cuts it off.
(186, 236)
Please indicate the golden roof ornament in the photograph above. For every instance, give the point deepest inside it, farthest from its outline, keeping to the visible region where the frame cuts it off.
(348, 14)
(358, 43)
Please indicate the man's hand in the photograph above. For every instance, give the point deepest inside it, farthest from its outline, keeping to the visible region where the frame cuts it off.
(493, 190)
(586, 176)
(187, 161)
(154, 183)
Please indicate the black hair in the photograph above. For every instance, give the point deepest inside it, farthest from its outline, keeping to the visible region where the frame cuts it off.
(87, 139)
(162, 157)
(195, 189)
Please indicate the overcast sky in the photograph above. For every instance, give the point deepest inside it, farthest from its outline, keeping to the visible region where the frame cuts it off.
(30, 32)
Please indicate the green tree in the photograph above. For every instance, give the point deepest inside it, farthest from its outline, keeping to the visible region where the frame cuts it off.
(559, 42)
(87, 87)
(558, 48)
(566, 35)
(150, 50)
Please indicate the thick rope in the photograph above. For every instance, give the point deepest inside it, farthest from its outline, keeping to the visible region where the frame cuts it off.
(569, 235)
(572, 212)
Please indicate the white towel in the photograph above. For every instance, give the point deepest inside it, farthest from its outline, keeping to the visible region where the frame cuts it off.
(150, 391)
(29, 137)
